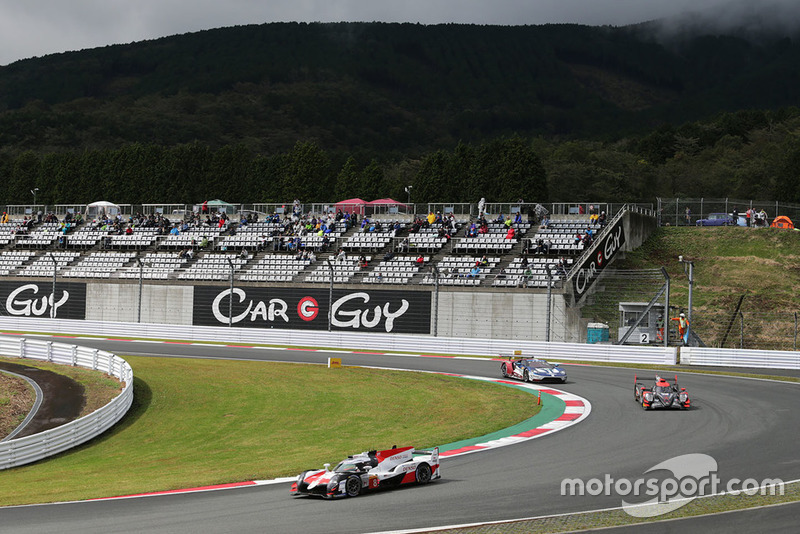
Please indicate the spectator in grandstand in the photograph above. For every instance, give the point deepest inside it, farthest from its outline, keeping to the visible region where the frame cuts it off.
(601, 219)
(548, 244)
(472, 231)
(561, 267)
(420, 261)
(341, 256)
(311, 257)
(483, 262)
(592, 213)
(511, 233)
(244, 254)
(175, 231)
(581, 209)
(475, 272)
(508, 222)
(362, 262)
(524, 262)
(431, 218)
(578, 237)
(545, 223)
(527, 276)
(518, 218)
(403, 245)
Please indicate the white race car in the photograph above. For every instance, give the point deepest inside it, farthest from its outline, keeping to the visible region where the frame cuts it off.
(368, 471)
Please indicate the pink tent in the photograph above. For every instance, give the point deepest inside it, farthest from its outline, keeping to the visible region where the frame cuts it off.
(352, 205)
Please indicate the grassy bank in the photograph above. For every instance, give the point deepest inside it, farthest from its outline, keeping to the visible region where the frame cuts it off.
(758, 266)
(199, 422)
(16, 400)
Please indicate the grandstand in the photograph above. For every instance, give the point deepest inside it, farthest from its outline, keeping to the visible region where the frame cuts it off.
(275, 249)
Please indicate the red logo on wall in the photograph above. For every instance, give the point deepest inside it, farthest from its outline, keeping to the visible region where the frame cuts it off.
(308, 308)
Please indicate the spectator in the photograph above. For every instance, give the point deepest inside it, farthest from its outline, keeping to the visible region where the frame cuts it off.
(341, 256)
(688, 215)
(511, 233)
(475, 272)
(362, 262)
(601, 219)
(484, 261)
(420, 261)
(545, 223)
(527, 276)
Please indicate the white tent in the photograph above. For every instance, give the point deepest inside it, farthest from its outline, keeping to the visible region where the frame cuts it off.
(102, 208)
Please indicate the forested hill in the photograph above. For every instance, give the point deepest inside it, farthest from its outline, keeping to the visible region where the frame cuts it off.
(385, 91)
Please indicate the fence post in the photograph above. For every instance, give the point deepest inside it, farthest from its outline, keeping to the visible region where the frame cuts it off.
(741, 330)
(795, 330)
(435, 300)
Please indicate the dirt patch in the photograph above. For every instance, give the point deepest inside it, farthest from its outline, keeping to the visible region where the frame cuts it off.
(63, 398)
(16, 400)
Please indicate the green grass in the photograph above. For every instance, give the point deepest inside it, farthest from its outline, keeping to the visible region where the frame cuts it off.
(200, 422)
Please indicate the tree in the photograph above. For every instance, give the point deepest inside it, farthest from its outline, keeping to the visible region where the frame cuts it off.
(347, 180)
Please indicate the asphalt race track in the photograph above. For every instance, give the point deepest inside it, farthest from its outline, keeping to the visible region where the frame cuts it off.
(748, 426)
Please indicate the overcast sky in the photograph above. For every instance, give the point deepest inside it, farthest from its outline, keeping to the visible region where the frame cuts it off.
(38, 27)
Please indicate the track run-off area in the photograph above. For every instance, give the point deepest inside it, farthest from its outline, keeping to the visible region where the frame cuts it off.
(748, 426)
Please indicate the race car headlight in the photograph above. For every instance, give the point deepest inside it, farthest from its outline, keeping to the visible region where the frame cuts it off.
(683, 397)
(648, 396)
(300, 478)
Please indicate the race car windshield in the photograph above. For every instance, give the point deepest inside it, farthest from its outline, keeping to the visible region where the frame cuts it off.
(540, 363)
(663, 389)
(348, 467)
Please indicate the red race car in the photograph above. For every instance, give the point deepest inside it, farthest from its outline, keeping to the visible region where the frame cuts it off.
(661, 394)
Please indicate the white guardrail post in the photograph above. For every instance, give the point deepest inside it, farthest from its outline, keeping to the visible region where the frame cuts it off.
(21, 451)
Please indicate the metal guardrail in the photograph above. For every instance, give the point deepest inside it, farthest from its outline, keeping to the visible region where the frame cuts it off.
(770, 359)
(21, 451)
(350, 340)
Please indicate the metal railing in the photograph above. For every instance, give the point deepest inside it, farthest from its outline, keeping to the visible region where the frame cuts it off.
(21, 451)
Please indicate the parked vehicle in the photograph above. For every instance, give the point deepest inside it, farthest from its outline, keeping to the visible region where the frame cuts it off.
(716, 219)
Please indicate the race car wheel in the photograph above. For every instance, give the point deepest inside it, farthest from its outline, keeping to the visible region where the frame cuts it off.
(525, 376)
(503, 370)
(352, 487)
(423, 473)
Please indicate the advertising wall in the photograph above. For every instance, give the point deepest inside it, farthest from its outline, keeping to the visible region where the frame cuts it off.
(385, 311)
(35, 299)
